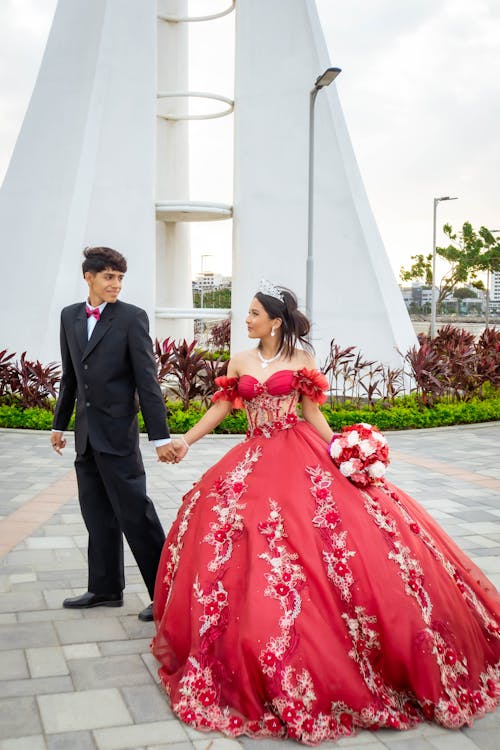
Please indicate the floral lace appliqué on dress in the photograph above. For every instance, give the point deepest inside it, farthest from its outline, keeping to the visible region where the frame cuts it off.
(290, 603)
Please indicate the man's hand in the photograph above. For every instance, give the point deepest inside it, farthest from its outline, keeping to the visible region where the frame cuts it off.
(166, 453)
(180, 449)
(58, 441)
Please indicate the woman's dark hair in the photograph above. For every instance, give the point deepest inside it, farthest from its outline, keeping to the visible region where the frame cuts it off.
(97, 259)
(294, 324)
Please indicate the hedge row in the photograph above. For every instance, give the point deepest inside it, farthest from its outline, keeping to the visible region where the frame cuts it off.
(403, 416)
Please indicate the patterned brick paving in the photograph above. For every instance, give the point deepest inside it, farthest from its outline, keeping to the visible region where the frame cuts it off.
(85, 679)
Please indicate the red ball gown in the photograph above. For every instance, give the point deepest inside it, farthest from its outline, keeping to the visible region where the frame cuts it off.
(291, 603)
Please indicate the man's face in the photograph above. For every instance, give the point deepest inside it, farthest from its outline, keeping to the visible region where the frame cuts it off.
(104, 286)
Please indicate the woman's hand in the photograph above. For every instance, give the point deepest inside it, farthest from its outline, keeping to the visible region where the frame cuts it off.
(181, 448)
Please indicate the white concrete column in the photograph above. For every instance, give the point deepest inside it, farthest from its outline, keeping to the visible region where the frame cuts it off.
(173, 248)
(82, 171)
(356, 297)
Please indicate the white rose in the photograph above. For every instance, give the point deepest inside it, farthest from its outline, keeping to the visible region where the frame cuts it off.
(376, 470)
(352, 438)
(335, 449)
(346, 468)
(367, 448)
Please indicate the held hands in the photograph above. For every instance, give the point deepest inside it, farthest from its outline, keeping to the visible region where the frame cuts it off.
(166, 453)
(173, 452)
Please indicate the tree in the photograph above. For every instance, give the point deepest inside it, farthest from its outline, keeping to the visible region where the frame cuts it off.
(469, 253)
(464, 293)
(213, 298)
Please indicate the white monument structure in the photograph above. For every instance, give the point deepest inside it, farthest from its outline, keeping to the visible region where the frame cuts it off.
(103, 153)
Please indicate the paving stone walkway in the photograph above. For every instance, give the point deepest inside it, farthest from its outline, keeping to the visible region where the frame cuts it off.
(82, 680)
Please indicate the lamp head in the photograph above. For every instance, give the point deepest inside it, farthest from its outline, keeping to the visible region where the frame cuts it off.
(326, 78)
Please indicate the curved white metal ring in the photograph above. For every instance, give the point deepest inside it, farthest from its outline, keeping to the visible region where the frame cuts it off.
(197, 313)
(189, 19)
(199, 95)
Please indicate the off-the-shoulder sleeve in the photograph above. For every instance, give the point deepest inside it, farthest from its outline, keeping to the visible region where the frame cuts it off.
(228, 391)
(311, 383)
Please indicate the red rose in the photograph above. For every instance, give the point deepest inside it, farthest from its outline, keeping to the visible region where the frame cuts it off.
(340, 569)
(450, 657)
(308, 725)
(273, 725)
(332, 517)
(289, 713)
(269, 658)
(208, 697)
(281, 589)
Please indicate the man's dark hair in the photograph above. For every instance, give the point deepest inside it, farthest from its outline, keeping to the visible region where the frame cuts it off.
(99, 258)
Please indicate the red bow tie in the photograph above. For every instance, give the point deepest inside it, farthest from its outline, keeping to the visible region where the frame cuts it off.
(96, 313)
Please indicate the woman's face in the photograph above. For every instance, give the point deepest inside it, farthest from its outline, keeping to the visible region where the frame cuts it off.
(259, 324)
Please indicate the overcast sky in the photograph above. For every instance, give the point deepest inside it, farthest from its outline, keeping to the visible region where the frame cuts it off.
(420, 89)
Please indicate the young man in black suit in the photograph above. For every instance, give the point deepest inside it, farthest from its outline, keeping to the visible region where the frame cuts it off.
(108, 368)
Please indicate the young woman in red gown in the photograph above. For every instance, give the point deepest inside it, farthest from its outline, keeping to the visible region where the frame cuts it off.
(291, 603)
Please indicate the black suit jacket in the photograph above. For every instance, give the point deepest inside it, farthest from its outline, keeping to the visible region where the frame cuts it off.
(109, 376)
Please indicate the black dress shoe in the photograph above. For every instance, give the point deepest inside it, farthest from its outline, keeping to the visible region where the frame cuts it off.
(85, 601)
(147, 614)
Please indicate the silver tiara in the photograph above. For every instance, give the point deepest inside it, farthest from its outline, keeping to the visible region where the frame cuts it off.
(272, 291)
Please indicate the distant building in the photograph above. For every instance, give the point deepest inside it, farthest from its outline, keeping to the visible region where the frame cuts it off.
(210, 282)
(495, 287)
(417, 297)
(494, 302)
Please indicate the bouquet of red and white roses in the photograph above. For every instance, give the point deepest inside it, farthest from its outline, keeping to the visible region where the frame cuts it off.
(361, 453)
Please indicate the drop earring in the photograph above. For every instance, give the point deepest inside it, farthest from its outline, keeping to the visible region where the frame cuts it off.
(272, 332)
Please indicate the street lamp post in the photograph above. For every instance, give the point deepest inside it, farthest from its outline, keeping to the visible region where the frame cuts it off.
(203, 277)
(325, 79)
(433, 287)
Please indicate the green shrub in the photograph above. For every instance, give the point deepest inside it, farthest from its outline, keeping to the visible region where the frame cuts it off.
(33, 418)
(234, 424)
(407, 414)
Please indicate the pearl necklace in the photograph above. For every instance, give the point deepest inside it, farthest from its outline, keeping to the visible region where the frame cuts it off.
(265, 362)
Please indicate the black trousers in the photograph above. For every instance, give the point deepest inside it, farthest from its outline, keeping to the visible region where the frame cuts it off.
(113, 501)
